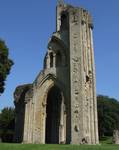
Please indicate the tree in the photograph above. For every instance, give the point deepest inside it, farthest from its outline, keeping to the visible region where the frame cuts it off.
(7, 124)
(5, 64)
(108, 115)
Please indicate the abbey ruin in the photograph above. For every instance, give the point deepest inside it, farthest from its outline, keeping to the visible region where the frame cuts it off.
(60, 106)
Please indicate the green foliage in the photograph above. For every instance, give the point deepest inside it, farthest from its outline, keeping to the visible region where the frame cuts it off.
(108, 115)
(7, 118)
(5, 64)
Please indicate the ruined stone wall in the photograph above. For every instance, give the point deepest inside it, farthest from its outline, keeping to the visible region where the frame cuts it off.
(83, 103)
(84, 127)
(116, 137)
(21, 101)
(68, 65)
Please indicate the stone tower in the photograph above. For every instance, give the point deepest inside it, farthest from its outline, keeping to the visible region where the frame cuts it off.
(60, 106)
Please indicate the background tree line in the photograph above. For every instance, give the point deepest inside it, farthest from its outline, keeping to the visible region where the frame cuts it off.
(7, 114)
(108, 115)
(7, 124)
(108, 119)
(5, 64)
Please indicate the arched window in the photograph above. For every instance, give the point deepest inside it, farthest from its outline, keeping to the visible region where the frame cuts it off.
(64, 21)
(58, 59)
(51, 60)
(45, 62)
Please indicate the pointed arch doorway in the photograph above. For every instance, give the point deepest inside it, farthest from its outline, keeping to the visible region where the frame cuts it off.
(55, 118)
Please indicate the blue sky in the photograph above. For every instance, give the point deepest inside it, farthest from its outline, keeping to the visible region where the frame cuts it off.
(26, 26)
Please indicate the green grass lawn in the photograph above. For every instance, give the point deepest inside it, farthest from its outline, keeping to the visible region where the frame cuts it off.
(57, 147)
(106, 140)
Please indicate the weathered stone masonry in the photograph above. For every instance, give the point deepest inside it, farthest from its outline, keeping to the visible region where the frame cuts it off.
(60, 106)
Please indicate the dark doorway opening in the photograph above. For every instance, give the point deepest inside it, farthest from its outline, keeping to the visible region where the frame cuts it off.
(53, 109)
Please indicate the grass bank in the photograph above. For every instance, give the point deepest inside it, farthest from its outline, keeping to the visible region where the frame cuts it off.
(57, 147)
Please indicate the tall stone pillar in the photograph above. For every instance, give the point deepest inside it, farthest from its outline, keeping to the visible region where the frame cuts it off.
(94, 90)
(82, 78)
(76, 77)
(25, 139)
(54, 60)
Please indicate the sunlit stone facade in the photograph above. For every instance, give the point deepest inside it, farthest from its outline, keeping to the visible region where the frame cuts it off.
(60, 106)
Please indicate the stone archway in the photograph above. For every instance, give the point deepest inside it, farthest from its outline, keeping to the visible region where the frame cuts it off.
(54, 123)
